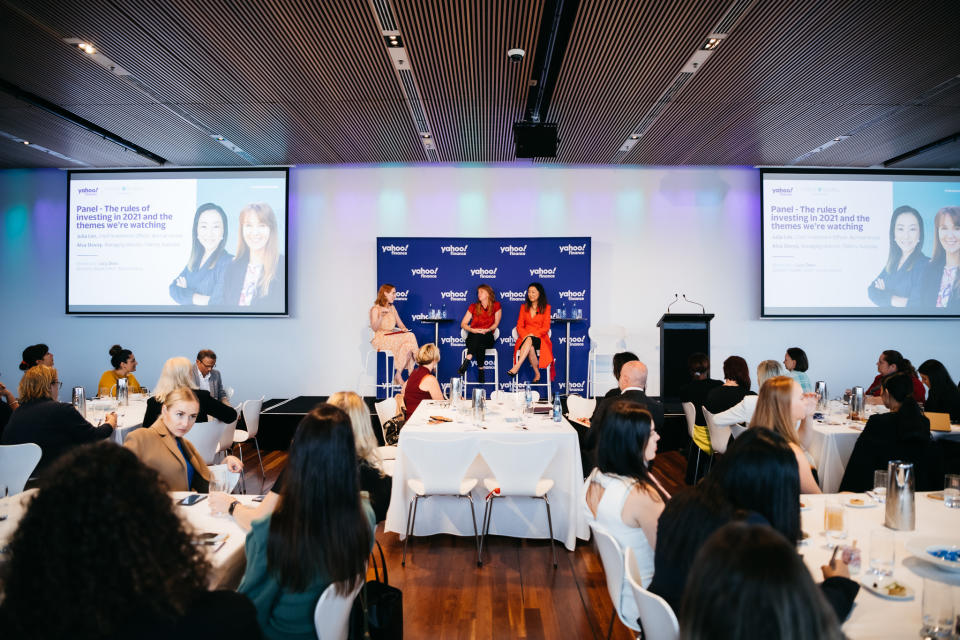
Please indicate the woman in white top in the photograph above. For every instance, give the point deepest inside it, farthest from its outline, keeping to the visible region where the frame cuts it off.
(621, 495)
(742, 412)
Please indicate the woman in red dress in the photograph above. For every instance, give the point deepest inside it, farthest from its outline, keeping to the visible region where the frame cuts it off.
(480, 322)
(422, 383)
(533, 332)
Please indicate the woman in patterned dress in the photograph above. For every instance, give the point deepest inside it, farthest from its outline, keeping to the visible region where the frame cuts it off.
(390, 334)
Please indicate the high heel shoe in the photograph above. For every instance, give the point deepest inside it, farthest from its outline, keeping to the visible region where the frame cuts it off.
(512, 373)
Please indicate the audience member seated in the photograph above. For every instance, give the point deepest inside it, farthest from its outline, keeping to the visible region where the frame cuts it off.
(6, 407)
(124, 364)
(206, 376)
(736, 385)
(748, 583)
(319, 534)
(621, 494)
(901, 434)
(163, 447)
(618, 360)
(780, 407)
(796, 363)
(372, 478)
(633, 381)
(889, 363)
(695, 392)
(36, 354)
(176, 373)
(757, 481)
(422, 383)
(101, 553)
(742, 412)
(942, 394)
(56, 426)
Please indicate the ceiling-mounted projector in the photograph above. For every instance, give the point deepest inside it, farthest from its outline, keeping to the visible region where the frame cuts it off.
(535, 139)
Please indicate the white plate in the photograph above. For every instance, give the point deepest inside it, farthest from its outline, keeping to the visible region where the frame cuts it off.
(867, 502)
(920, 547)
(870, 583)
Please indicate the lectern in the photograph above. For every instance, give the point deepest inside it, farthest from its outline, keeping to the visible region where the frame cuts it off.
(681, 334)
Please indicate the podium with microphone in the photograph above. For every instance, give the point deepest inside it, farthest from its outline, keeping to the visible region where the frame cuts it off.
(681, 335)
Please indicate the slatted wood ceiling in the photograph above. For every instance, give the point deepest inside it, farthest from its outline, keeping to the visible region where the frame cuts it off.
(301, 82)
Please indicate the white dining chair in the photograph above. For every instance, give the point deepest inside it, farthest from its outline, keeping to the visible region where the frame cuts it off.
(251, 418)
(605, 341)
(205, 436)
(386, 410)
(690, 412)
(17, 462)
(578, 407)
(612, 558)
(657, 619)
(544, 372)
(719, 436)
(225, 444)
(437, 469)
(518, 469)
(331, 616)
(486, 354)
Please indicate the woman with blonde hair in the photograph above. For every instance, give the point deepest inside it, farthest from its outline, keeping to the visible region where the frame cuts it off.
(422, 383)
(372, 477)
(390, 334)
(781, 405)
(178, 373)
(742, 412)
(255, 278)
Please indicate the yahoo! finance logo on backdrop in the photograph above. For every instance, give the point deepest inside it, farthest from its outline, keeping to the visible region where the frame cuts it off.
(425, 273)
(573, 387)
(510, 340)
(453, 341)
(419, 316)
(402, 295)
(513, 250)
(575, 341)
(574, 296)
(454, 296)
(395, 249)
(541, 272)
(513, 296)
(480, 272)
(574, 249)
(454, 250)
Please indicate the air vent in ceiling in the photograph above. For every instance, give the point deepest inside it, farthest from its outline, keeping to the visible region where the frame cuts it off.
(381, 8)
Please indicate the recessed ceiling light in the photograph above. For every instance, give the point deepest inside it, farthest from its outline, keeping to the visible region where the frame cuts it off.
(26, 142)
(711, 44)
(87, 47)
(634, 137)
(425, 135)
(393, 41)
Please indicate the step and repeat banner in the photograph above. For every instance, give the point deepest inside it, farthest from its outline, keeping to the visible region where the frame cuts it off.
(444, 273)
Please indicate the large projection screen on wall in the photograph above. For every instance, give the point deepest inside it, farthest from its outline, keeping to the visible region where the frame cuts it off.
(177, 242)
(862, 243)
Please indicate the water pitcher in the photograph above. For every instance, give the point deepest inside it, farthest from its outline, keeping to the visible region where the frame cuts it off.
(901, 512)
(79, 400)
(856, 403)
(123, 392)
(821, 391)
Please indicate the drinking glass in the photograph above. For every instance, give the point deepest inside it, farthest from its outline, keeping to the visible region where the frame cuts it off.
(951, 490)
(882, 552)
(880, 485)
(938, 620)
(833, 522)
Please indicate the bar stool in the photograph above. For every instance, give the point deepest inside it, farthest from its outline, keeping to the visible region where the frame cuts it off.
(545, 371)
(488, 352)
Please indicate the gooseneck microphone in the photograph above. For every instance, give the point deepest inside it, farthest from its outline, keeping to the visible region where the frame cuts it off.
(675, 298)
(686, 299)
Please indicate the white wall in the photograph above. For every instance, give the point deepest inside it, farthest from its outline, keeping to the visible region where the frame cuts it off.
(656, 231)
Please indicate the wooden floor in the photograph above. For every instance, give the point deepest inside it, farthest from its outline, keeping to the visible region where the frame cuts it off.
(516, 594)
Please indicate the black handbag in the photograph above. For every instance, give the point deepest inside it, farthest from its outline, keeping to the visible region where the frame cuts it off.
(377, 612)
(391, 430)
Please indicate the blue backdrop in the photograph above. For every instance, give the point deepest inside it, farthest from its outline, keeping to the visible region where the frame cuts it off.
(438, 272)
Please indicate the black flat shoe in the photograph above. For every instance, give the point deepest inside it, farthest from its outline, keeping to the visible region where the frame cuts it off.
(463, 367)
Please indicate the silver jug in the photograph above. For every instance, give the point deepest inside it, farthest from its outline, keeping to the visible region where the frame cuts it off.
(79, 400)
(821, 390)
(901, 509)
(856, 404)
(479, 405)
(456, 392)
(123, 392)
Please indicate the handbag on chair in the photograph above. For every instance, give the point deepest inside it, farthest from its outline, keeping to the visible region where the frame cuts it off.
(377, 612)
(391, 430)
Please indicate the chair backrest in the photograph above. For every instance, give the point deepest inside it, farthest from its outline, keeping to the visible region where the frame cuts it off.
(251, 415)
(230, 477)
(332, 613)
(736, 430)
(611, 556)
(229, 429)
(690, 412)
(205, 436)
(17, 462)
(518, 466)
(607, 339)
(578, 407)
(439, 463)
(657, 618)
(718, 435)
(386, 409)
(501, 395)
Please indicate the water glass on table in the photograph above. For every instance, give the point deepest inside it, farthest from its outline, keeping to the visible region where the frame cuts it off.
(833, 525)
(880, 478)
(951, 491)
(938, 611)
(882, 553)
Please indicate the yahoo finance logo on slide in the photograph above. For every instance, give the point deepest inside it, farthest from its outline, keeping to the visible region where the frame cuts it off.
(783, 191)
(574, 296)
(454, 250)
(480, 272)
(453, 341)
(513, 296)
(402, 295)
(425, 273)
(395, 249)
(88, 190)
(574, 249)
(541, 272)
(513, 250)
(454, 296)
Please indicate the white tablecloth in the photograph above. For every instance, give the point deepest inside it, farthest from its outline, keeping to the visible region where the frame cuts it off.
(519, 518)
(831, 445)
(873, 616)
(129, 417)
(227, 563)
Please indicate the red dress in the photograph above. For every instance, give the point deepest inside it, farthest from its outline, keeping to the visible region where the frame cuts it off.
(539, 327)
(413, 395)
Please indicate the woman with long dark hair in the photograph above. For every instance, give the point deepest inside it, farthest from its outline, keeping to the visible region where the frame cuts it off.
(939, 286)
(621, 494)
(201, 281)
(480, 322)
(889, 363)
(736, 385)
(905, 262)
(102, 525)
(319, 534)
(533, 333)
(942, 395)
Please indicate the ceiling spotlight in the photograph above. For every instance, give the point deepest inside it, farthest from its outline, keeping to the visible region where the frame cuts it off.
(87, 47)
(425, 136)
(220, 138)
(393, 42)
(26, 142)
(634, 137)
(712, 44)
